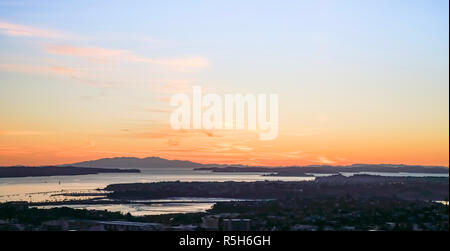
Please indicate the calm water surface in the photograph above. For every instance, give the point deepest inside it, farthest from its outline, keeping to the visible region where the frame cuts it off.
(40, 189)
(37, 189)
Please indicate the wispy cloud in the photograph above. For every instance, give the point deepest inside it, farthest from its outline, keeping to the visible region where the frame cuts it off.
(12, 150)
(23, 68)
(17, 30)
(63, 70)
(180, 63)
(98, 54)
(22, 133)
(325, 160)
(300, 134)
(157, 110)
(86, 52)
(173, 86)
(168, 133)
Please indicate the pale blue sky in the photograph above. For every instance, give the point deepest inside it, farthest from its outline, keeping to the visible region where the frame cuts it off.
(258, 45)
(355, 64)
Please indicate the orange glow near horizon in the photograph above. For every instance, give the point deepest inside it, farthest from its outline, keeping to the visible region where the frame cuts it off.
(219, 147)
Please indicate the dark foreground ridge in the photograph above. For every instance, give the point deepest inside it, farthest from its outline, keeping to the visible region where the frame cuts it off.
(26, 171)
(359, 186)
(294, 214)
(336, 203)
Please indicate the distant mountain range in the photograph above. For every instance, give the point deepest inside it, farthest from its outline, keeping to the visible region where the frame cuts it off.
(35, 171)
(157, 162)
(326, 169)
(133, 162)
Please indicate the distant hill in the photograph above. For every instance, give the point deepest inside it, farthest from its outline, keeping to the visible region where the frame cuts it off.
(27, 171)
(157, 162)
(327, 169)
(141, 163)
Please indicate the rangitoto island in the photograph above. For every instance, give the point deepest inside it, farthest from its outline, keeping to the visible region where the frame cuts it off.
(29, 171)
(306, 171)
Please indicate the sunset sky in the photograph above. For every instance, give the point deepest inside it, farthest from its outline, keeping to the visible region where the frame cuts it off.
(358, 81)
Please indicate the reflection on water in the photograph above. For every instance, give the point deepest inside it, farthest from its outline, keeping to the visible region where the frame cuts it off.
(445, 202)
(40, 189)
(192, 199)
(55, 188)
(141, 209)
(384, 174)
(399, 174)
(154, 206)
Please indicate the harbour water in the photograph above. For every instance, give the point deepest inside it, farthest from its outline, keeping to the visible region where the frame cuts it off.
(56, 188)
